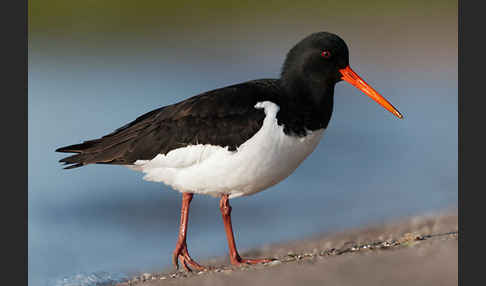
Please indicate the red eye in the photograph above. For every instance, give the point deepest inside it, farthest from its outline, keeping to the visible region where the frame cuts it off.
(326, 54)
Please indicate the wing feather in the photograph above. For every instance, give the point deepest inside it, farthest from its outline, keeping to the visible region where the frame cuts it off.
(223, 117)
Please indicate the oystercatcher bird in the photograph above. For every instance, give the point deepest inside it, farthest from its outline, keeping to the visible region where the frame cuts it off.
(236, 140)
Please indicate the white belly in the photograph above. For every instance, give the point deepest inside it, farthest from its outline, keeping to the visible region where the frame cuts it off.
(264, 160)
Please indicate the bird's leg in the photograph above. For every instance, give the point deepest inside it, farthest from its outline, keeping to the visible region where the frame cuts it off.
(225, 208)
(180, 252)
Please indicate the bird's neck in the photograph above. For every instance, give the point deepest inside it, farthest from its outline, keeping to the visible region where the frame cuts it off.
(306, 91)
(307, 105)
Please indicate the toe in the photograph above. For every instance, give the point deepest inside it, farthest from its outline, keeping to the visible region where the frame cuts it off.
(256, 261)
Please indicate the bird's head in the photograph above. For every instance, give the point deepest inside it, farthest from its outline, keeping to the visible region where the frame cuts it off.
(315, 64)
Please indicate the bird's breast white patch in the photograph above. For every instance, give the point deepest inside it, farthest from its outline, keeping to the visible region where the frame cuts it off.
(264, 160)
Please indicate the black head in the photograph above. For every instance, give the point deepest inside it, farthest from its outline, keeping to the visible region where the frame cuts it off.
(317, 59)
(314, 66)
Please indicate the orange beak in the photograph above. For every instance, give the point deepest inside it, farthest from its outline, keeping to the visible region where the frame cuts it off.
(353, 78)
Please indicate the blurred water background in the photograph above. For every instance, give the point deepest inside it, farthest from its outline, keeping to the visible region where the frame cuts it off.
(96, 65)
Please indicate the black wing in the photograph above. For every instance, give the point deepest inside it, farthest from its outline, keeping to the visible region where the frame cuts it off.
(223, 117)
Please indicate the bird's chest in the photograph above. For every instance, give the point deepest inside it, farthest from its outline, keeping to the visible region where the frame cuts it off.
(274, 156)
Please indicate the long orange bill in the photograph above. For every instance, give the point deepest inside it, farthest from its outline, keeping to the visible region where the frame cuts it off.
(353, 78)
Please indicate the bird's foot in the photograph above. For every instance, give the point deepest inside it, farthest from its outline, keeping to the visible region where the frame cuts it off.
(182, 254)
(239, 261)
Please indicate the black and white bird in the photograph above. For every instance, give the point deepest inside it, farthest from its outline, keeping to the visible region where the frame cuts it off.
(236, 140)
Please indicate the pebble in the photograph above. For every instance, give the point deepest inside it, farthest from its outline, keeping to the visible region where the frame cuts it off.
(386, 244)
(146, 276)
(273, 263)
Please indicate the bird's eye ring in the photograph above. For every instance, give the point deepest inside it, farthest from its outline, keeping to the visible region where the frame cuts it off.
(326, 54)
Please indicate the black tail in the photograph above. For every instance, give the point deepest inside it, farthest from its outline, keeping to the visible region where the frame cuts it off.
(117, 147)
(82, 153)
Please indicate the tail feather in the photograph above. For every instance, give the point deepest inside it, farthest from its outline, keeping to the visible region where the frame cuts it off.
(97, 152)
(78, 148)
(78, 160)
(114, 148)
(73, 166)
(111, 148)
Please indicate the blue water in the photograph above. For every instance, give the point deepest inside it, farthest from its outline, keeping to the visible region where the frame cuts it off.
(89, 279)
(369, 167)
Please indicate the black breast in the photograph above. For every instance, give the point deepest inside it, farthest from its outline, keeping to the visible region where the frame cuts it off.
(299, 116)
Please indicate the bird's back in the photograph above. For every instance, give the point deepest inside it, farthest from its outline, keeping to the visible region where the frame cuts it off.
(224, 117)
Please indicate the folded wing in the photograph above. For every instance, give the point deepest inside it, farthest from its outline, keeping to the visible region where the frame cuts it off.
(224, 117)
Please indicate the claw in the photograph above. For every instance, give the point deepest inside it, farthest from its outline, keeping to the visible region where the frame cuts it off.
(238, 261)
(256, 261)
(181, 253)
(184, 264)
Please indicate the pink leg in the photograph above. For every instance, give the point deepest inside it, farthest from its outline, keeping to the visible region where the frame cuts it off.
(225, 208)
(181, 253)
